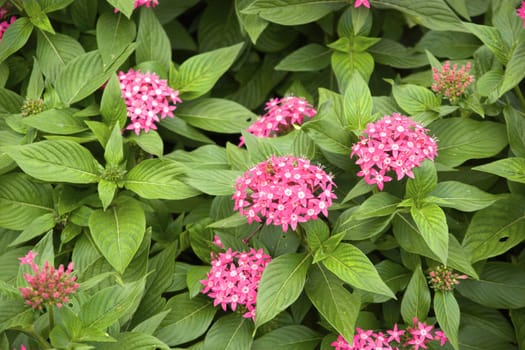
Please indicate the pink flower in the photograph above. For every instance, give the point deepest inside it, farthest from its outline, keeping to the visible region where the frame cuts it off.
(147, 3)
(439, 335)
(451, 83)
(393, 143)
(443, 279)
(47, 286)
(521, 12)
(280, 117)
(340, 344)
(395, 334)
(234, 279)
(5, 24)
(365, 3)
(284, 190)
(146, 96)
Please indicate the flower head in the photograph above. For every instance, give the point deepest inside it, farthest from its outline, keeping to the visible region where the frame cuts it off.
(393, 143)
(521, 12)
(365, 3)
(285, 190)
(443, 279)
(234, 279)
(451, 83)
(147, 97)
(47, 286)
(280, 117)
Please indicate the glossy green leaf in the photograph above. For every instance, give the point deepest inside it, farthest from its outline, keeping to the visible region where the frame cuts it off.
(134, 341)
(114, 34)
(514, 70)
(460, 196)
(293, 337)
(353, 267)
(515, 130)
(491, 37)
(114, 151)
(63, 161)
(310, 57)
(153, 43)
(416, 300)
(158, 179)
(345, 64)
(425, 181)
(222, 183)
(415, 99)
(281, 284)
(334, 302)
(126, 6)
(496, 229)
(357, 104)
(447, 313)
(118, 231)
(56, 121)
(232, 332)
(432, 226)
(15, 37)
(39, 226)
(512, 168)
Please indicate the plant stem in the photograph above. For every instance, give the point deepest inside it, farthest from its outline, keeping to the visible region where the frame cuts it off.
(51, 313)
(518, 92)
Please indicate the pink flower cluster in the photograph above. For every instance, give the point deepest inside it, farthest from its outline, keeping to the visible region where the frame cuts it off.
(365, 3)
(521, 12)
(234, 279)
(393, 143)
(146, 96)
(280, 117)
(147, 3)
(414, 338)
(451, 82)
(443, 279)
(48, 286)
(285, 190)
(5, 24)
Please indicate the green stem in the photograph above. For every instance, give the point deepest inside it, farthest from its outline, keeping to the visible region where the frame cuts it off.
(51, 314)
(518, 92)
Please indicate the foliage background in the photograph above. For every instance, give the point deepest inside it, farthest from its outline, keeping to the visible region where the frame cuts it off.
(137, 214)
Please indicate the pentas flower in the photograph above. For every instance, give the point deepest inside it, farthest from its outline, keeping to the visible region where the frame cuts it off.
(284, 190)
(442, 278)
(234, 278)
(521, 12)
(414, 338)
(451, 83)
(395, 143)
(147, 97)
(364, 3)
(47, 286)
(280, 117)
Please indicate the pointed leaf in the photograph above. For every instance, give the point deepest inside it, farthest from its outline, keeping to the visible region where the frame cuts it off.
(460, 196)
(153, 43)
(432, 226)
(15, 37)
(512, 168)
(288, 338)
(56, 121)
(114, 34)
(447, 313)
(312, 57)
(232, 332)
(416, 300)
(357, 103)
(133, 341)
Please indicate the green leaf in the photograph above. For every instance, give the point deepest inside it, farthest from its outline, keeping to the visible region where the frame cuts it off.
(63, 161)
(54, 52)
(158, 179)
(394, 54)
(294, 337)
(515, 69)
(352, 266)
(153, 43)
(435, 15)
(216, 115)
(496, 229)
(114, 152)
(150, 142)
(285, 12)
(15, 37)
(114, 34)
(10, 102)
(22, 201)
(334, 302)
(14, 313)
(232, 332)
(109, 304)
(518, 319)
(414, 98)
(219, 26)
(357, 104)
(500, 286)
(416, 300)
(424, 181)
(56, 121)
(118, 231)
(344, 64)
(447, 313)
(133, 341)
(252, 24)
(515, 130)
(35, 86)
(112, 106)
(106, 192)
(198, 74)
(491, 37)
(460, 196)
(39, 226)
(432, 225)
(460, 139)
(378, 204)
(125, 6)
(180, 127)
(37, 16)
(187, 320)
(512, 168)
(222, 183)
(311, 57)
(281, 284)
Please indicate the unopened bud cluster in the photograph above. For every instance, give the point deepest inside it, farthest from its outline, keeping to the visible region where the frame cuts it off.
(443, 279)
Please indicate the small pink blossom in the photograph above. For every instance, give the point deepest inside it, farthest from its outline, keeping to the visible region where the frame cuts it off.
(47, 286)
(285, 191)
(234, 279)
(451, 83)
(365, 3)
(147, 97)
(147, 3)
(393, 143)
(521, 12)
(280, 117)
